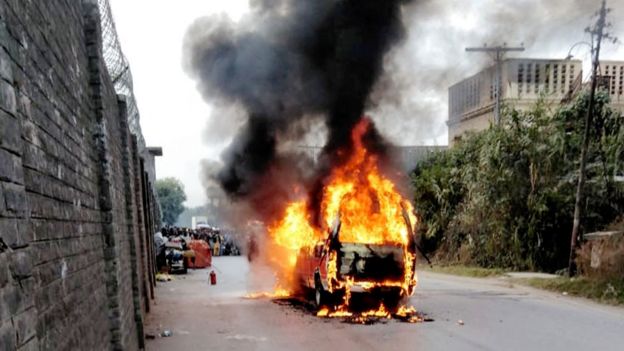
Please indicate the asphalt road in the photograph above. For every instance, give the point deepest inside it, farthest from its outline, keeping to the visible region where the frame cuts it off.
(495, 315)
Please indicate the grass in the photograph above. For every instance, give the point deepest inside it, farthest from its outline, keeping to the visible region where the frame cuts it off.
(467, 271)
(604, 291)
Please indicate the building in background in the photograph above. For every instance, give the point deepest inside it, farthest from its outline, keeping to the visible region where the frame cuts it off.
(612, 79)
(524, 81)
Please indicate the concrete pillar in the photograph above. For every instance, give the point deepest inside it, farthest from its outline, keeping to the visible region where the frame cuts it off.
(132, 231)
(140, 222)
(97, 69)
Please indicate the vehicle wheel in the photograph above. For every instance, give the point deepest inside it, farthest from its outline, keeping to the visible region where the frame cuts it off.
(321, 298)
(318, 297)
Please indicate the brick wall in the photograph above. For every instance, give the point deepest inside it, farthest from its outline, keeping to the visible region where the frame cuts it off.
(75, 228)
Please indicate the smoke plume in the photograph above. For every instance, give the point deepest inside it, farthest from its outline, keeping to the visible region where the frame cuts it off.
(287, 64)
(410, 100)
(292, 66)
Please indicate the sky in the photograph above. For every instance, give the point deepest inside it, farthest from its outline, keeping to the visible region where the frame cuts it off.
(174, 115)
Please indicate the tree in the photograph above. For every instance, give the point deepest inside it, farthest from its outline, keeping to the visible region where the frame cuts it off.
(171, 197)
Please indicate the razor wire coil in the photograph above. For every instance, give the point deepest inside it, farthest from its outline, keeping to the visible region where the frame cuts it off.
(119, 69)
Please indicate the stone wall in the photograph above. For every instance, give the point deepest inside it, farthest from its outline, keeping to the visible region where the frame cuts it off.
(76, 209)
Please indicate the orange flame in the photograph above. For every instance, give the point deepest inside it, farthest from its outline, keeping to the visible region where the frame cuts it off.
(368, 203)
(371, 211)
(288, 236)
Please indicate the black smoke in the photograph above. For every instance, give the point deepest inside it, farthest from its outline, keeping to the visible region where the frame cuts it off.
(287, 61)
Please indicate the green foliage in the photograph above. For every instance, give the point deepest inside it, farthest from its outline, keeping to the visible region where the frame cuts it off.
(504, 197)
(467, 271)
(171, 197)
(606, 291)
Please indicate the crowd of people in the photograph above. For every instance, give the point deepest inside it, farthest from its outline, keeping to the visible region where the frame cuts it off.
(220, 244)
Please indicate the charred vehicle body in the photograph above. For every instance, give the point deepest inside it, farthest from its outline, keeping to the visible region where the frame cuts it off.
(341, 272)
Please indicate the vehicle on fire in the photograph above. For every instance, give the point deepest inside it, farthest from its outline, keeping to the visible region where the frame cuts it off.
(377, 273)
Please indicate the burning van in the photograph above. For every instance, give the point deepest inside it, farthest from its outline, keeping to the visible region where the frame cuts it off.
(363, 245)
(336, 270)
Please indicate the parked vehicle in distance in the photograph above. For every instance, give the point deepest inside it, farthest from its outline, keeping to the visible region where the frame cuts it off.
(198, 222)
(177, 260)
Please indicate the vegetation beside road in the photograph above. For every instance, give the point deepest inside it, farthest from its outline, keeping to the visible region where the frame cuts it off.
(600, 290)
(504, 197)
(608, 291)
(466, 271)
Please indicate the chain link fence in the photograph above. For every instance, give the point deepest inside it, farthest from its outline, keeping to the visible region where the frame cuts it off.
(119, 69)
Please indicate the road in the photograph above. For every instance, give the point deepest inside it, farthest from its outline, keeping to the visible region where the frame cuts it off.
(495, 315)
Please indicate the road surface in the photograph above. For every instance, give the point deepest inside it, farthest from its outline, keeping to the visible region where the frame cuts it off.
(495, 316)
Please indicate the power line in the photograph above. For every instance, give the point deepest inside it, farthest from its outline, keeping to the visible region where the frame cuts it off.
(597, 31)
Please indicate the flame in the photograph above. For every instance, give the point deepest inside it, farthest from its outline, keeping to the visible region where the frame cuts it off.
(405, 311)
(289, 235)
(371, 211)
(277, 293)
(369, 205)
(381, 312)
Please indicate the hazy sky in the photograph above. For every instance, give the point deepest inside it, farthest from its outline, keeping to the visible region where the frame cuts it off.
(174, 116)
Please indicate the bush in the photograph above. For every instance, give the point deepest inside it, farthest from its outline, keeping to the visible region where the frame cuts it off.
(504, 197)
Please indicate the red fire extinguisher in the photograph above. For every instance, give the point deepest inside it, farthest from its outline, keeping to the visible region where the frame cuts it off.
(213, 278)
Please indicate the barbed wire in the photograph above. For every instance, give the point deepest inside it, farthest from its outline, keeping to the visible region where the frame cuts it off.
(119, 69)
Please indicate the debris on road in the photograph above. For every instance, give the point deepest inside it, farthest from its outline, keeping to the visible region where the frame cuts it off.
(242, 337)
(460, 322)
(369, 317)
(163, 277)
(166, 333)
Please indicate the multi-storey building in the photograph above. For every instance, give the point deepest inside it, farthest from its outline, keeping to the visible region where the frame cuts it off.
(612, 73)
(524, 81)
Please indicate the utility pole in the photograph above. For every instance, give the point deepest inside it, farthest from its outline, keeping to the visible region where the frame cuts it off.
(498, 52)
(599, 32)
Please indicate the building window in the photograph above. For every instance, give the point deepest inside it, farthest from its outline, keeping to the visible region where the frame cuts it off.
(473, 94)
(528, 77)
(547, 81)
(555, 77)
(520, 78)
(563, 77)
(621, 80)
(537, 77)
